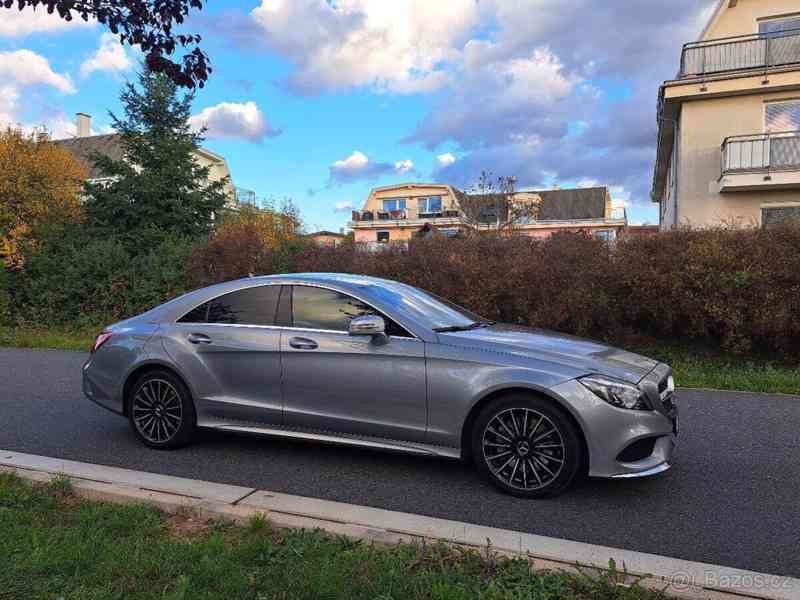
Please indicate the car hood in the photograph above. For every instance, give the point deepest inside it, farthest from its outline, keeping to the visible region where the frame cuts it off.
(582, 354)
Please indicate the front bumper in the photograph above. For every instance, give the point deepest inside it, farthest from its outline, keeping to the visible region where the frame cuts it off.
(610, 430)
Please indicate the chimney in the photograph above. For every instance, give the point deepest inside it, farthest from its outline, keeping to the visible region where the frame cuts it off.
(84, 124)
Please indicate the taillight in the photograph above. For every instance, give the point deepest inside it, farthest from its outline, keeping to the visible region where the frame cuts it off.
(100, 340)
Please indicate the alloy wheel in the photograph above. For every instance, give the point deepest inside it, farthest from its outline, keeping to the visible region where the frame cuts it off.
(157, 411)
(523, 448)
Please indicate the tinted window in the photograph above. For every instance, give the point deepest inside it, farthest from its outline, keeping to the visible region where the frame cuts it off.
(317, 308)
(251, 306)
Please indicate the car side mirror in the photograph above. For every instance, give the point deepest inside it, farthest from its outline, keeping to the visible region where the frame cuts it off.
(371, 325)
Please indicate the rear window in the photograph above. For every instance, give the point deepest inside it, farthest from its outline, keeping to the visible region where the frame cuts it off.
(250, 306)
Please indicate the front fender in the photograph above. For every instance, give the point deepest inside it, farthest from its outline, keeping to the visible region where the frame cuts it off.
(459, 378)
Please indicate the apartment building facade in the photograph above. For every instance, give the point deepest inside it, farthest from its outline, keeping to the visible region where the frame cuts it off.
(398, 213)
(729, 122)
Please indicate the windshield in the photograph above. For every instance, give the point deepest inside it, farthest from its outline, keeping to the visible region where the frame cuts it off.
(437, 313)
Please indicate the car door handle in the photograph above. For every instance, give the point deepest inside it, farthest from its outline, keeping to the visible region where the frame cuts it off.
(198, 338)
(303, 343)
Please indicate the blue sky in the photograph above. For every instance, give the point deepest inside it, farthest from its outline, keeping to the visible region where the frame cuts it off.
(320, 101)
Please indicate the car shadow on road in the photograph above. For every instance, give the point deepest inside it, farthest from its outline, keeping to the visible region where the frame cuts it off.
(393, 469)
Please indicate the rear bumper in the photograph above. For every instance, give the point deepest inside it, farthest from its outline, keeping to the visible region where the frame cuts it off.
(98, 390)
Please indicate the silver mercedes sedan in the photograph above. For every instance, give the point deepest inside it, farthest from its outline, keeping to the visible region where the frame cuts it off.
(368, 362)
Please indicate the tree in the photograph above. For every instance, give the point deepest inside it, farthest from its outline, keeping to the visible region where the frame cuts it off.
(495, 202)
(248, 241)
(157, 184)
(148, 24)
(40, 183)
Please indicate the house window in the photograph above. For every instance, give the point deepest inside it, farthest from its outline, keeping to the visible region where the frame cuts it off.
(779, 214)
(383, 237)
(778, 27)
(390, 204)
(782, 116)
(608, 235)
(429, 204)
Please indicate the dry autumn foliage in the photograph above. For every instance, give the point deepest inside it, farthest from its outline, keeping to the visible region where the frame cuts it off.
(245, 243)
(39, 182)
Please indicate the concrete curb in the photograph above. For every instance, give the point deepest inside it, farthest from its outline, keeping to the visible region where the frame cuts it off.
(678, 578)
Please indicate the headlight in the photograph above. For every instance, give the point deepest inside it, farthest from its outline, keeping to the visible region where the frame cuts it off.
(615, 392)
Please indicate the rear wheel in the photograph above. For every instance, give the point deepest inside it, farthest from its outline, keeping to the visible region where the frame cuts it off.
(161, 410)
(526, 446)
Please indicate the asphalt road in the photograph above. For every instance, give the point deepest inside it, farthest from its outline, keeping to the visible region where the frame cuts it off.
(731, 498)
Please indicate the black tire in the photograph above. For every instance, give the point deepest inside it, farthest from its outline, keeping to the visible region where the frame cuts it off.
(160, 402)
(549, 463)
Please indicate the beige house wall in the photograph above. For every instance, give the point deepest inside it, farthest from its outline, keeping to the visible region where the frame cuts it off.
(411, 192)
(708, 110)
(743, 18)
(704, 125)
(323, 239)
(217, 171)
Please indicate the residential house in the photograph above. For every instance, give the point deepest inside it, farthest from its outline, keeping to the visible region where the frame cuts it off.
(329, 239)
(728, 143)
(84, 144)
(399, 212)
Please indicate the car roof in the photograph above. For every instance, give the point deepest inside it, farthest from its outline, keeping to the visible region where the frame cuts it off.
(356, 285)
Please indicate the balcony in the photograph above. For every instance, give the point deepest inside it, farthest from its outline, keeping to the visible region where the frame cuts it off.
(761, 161)
(246, 197)
(407, 217)
(741, 53)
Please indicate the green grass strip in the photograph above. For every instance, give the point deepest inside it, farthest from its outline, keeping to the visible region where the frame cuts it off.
(53, 545)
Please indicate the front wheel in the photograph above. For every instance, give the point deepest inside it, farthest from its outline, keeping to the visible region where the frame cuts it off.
(161, 410)
(526, 446)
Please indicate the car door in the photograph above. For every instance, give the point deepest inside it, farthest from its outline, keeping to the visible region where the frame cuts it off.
(349, 384)
(229, 350)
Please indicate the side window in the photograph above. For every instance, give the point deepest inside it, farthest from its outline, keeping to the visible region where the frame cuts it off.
(382, 237)
(778, 27)
(780, 214)
(250, 306)
(318, 308)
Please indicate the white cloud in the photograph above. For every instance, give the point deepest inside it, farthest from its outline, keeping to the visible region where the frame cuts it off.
(445, 160)
(9, 95)
(401, 167)
(357, 166)
(19, 23)
(110, 56)
(345, 206)
(501, 100)
(355, 162)
(234, 121)
(24, 68)
(401, 47)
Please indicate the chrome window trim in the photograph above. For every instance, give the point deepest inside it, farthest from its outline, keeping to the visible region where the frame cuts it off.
(285, 328)
(307, 284)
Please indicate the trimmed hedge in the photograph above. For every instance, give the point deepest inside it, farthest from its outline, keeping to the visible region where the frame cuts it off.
(737, 288)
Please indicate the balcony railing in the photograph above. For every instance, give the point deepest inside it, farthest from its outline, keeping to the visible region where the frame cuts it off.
(740, 53)
(245, 196)
(761, 152)
(401, 215)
